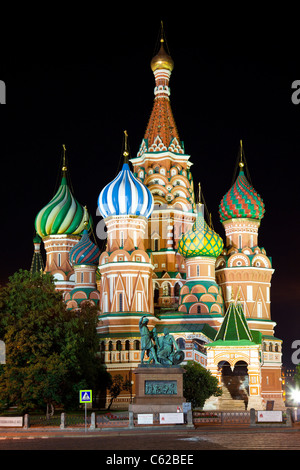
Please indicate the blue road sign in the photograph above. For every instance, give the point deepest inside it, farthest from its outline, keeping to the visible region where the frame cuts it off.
(85, 396)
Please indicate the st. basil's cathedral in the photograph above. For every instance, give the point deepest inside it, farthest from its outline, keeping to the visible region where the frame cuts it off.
(163, 260)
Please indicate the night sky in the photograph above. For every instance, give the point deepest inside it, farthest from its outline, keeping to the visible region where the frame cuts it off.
(81, 79)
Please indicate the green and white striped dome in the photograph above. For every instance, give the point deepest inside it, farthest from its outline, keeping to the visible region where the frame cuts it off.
(62, 215)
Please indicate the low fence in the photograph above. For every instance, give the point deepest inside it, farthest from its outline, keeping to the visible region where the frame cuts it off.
(221, 417)
(76, 420)
(128, 419)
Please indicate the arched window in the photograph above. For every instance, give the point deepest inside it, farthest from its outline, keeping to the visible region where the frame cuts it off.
(137, 345)
(166, 289)
(177, 289)
(156, 293)
(121, 302)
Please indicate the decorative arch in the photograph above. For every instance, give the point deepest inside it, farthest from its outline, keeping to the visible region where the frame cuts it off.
(198, 289)
(199, 308)
(190, 298)
(213, 290)
(238, 260)
(79, 295)
(59, 276)
(263, 260)
(185, 205)
(182, 309)
(180, 178)
(215, 308)
(207, 298)
(184, 290)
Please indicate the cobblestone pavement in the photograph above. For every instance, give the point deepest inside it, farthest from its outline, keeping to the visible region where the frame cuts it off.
(193, 440)
(258, 440)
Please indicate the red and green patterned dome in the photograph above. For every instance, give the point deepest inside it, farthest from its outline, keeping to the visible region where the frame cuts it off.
(241, 201)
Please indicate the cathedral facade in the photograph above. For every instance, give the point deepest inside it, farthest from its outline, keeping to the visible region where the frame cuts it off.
(163, 260)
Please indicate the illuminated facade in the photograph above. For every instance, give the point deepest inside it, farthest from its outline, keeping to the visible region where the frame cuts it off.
(163, 260)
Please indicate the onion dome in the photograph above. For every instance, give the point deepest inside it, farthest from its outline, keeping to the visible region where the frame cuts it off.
(201, 240)
(125, 195)
(84, 252)
(241, 201)
(62, 215)
(162, 60)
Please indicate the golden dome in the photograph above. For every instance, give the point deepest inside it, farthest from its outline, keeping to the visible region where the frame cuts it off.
(162, 60)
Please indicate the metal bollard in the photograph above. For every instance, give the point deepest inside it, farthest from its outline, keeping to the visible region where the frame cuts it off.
(26, 421)
(131, 423)
(63, 421)
(93, 421)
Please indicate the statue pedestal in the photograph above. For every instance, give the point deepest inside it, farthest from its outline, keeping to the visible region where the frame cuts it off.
(159, 389)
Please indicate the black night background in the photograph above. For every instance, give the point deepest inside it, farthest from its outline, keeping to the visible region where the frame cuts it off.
(81, 77)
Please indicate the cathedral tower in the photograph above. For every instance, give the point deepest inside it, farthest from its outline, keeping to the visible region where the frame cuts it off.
(84, 258)
(125, 267)
(244, 272)
(60, 224)
(201, 295)
(164, 167)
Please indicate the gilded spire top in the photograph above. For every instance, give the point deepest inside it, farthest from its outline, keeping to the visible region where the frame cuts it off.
(126, 151)
(162, 60)
(241, 163)
(64, 167)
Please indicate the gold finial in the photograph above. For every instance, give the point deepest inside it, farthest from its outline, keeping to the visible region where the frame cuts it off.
(126, 153)
(199, 193)
(64, 167)
(241, 164)
(86, 218)
(162, 32)
(210, 220)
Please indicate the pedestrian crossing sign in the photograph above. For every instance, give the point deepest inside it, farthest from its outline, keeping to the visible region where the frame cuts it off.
(85, 396)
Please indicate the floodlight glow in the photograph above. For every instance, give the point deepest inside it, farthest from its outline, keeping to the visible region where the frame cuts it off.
(295, 393)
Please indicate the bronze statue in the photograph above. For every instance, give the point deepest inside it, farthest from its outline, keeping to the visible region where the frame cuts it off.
(146, 341)
(161, 350)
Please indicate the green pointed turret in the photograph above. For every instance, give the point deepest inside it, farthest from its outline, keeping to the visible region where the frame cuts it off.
(234, 328)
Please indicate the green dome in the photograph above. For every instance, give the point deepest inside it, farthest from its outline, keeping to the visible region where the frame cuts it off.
(62, 215)
(201, 240)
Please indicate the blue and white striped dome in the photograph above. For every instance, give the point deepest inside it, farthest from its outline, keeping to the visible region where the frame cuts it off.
(125, 195)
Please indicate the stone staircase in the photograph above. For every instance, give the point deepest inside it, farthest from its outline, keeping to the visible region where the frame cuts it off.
(234, 395)
(226, 402)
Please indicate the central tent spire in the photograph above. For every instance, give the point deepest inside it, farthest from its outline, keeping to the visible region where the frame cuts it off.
(161, 132)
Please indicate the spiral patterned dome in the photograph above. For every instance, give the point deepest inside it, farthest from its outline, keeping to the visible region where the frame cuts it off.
(125, 195)
(62, 215)
(241, 201)
(84, 252)
(201, 240)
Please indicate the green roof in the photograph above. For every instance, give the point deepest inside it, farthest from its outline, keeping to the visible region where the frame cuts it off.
(203, 328)
(234, 329)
